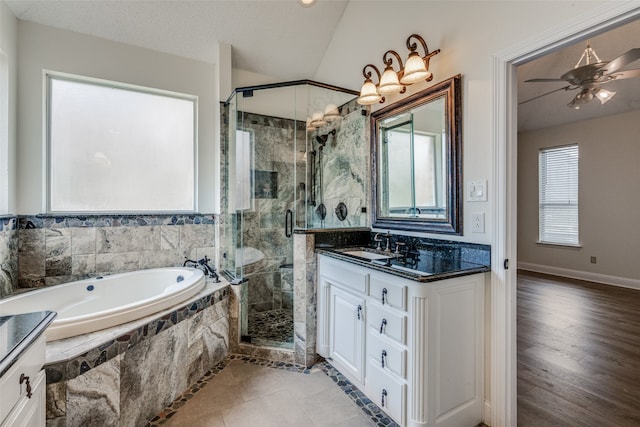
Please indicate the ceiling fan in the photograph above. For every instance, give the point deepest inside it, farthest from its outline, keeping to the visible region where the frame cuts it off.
(590, 76)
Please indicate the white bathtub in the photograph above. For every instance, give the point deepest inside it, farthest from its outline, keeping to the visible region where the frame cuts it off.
(102, 302)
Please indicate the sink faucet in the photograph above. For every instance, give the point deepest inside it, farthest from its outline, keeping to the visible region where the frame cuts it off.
(203, 264)
(377, 238)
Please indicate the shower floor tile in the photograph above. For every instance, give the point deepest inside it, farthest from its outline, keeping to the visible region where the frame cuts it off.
(272, 328)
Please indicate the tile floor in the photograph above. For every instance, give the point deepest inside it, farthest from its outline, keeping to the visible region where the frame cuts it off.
(247, 394)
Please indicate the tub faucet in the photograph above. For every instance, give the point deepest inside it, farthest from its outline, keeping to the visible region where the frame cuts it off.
(203, 264)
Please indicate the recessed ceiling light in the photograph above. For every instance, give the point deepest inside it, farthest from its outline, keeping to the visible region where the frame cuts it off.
(307, 3)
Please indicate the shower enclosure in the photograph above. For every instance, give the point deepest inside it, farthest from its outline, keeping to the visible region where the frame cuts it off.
(274, 181)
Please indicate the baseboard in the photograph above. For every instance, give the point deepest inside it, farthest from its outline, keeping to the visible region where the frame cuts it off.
(486, 416)
(581, 275)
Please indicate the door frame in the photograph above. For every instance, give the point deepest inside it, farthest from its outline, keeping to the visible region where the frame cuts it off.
(503, 363)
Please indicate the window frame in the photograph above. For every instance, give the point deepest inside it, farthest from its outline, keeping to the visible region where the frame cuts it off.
(47, 76)
(541, 205)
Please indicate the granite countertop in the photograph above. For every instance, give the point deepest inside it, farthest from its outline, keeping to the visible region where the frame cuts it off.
(18, 332)
(425, 266)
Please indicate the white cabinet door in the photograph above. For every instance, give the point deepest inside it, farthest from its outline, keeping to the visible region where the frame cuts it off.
(347, 333)
(30, 411)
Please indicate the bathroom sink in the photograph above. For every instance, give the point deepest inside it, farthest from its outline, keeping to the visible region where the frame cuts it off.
(403, 268)
(367, 254)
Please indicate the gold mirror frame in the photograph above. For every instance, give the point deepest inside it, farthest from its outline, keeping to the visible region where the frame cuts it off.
(450, 89)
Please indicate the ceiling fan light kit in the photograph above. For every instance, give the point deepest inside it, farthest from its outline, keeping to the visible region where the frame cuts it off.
(590, 76)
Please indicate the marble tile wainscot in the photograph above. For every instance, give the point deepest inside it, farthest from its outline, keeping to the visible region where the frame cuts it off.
(8, 255)
(54, 249)
(125, 375)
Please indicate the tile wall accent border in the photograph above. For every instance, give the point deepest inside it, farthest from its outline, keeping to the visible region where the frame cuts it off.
(69, 369)
(138, 220)
(8, 222)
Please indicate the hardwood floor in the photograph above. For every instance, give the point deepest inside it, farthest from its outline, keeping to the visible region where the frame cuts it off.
(578, 353)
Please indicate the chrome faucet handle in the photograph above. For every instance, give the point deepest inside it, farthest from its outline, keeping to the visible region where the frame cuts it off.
(388, 236)
(378, 239)
(398, 244)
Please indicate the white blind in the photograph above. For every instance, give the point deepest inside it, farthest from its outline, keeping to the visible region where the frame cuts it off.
(558, 198)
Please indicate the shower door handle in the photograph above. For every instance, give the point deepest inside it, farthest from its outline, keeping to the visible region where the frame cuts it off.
(288, 223)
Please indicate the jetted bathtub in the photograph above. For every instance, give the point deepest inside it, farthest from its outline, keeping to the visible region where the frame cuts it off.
(102, 302)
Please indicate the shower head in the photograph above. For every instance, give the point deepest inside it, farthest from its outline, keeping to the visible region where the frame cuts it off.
(322, 139)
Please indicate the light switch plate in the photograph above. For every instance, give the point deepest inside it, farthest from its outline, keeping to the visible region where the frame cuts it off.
(477, 191)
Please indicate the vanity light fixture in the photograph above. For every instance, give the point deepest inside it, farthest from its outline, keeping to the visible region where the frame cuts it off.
(369, 91)
(390, 80)
(414, 70)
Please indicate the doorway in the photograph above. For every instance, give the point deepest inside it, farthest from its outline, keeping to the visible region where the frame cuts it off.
(503, 370)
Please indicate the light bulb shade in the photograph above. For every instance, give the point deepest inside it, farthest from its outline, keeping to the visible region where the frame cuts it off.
(317, 119)
(389, 82)
(604, 95)
(331, 113)
(585, 96)
(368, 94)
(414, 69)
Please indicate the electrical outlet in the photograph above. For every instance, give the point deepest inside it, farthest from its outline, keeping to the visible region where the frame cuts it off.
(477, 222)
(593, 260)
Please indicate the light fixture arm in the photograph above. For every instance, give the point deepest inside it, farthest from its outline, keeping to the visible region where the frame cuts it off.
(413, 46)
(389, 61)
(367, 74)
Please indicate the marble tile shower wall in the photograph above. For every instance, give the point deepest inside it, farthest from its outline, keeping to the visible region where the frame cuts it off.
(262, 227)
(8, 255)
(345, 170)
(58, 249)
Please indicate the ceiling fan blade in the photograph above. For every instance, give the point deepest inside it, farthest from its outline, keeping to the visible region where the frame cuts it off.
(626, 58)
(545, 94)
(625, 74)
(543, 80)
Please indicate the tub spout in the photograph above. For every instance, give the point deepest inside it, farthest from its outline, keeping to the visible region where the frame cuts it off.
(203, 264)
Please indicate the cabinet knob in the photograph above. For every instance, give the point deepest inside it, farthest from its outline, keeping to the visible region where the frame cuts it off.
(382, 325)
(384, 355)
(359, 310)
(384, 395)
(384, 295)
(25, 379)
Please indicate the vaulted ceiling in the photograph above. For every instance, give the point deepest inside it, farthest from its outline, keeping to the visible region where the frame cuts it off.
(281, 39)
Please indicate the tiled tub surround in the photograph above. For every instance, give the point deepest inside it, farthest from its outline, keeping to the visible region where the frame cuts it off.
(124, 376)
(58, 249)
(8, 255)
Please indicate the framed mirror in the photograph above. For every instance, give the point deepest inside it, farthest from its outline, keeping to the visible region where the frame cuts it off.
(416, 147)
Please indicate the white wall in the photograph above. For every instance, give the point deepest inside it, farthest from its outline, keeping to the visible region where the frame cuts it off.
(469, 33)
(609, 175)
(41, 47)
(9, 47)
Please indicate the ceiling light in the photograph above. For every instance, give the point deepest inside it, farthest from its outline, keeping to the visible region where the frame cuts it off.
(307, 3)
(604, 95)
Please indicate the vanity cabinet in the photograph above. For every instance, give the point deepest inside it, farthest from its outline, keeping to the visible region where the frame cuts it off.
(415, 348)
(23, 389)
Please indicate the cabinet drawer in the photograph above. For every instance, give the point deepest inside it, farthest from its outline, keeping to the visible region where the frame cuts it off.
(342, 274)
(387, 322)
(386, 354)
(29, 364)
(386, 391)
(30, 412)
(388, 293)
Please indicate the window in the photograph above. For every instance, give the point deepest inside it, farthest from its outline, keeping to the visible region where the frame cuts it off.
(113, 147)
(558, 195)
